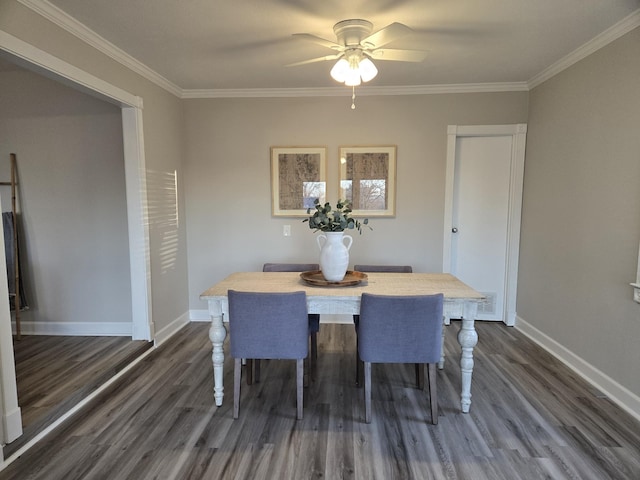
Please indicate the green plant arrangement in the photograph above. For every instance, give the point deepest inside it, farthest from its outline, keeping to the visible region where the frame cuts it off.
(327, 219)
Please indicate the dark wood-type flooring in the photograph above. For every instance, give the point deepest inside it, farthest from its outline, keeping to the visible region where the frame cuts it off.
(54, 373)
(530, 418)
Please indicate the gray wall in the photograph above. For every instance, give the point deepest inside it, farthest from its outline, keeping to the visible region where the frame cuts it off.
(163, 143)
(230, 226)
(581, 212)
(72, 203)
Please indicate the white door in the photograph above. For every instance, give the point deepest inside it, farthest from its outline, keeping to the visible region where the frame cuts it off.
(482, 215)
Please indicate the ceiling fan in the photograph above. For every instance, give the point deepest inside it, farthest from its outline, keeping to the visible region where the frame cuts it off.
(356, 46)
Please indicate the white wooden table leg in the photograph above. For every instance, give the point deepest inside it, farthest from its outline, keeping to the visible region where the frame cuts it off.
(217, 334)
(467, 338)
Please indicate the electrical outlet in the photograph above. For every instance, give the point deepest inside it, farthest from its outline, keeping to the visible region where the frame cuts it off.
(286, 230)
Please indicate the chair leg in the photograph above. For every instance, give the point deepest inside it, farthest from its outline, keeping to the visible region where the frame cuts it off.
(367, 392)
(433, 393)
(419, 376)
(359, 367)
(359, 371)
(441, 362)
(237, 369)
(299, 387)
(249, 367)
(314, 345)
(305, 377)
(314, 355)
(311, 360)
(256, 370)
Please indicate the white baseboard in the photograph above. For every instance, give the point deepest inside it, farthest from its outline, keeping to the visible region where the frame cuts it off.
(336, 318)
(199, 316)
(12, 423)
(617, 393)
(100, 329)
(170, 330)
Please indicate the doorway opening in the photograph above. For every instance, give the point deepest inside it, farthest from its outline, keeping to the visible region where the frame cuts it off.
(37, 61)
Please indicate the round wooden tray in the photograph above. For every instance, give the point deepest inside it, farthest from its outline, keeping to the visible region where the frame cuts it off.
(314, 277)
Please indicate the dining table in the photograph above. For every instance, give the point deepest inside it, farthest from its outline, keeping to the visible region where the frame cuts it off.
(343, 298)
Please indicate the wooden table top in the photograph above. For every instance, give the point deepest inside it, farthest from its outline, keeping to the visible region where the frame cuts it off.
(377, 283)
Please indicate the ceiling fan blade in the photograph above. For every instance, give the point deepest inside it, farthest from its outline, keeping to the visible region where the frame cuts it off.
(318, 59)
(386, 35)
(398, 55)
(318, 40)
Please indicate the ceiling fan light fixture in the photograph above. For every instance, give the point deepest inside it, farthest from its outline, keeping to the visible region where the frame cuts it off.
(353, 75)
(367, 69)
(354, 71)
(340, 70)
(353, 78)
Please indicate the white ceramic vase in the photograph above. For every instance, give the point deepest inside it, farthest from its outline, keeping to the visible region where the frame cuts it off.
(334, 255)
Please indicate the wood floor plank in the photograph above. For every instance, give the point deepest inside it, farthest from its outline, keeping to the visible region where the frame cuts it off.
(530, 418)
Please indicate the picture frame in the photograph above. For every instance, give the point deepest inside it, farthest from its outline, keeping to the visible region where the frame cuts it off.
(368, 179)
(298, 177)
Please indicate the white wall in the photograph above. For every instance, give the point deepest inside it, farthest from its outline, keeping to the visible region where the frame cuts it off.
(581, 215)
(72, 204)
(227, 161)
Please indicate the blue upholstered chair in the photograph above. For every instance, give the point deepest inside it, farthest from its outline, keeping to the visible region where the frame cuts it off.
(380, 269)
(314, 318)
(400, 329)
(268, 325)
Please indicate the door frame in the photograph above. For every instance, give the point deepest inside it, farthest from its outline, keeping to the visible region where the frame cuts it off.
(43, 63)
(518, 132)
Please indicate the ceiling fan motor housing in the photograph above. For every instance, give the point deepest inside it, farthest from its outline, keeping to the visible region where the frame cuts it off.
(351, 32)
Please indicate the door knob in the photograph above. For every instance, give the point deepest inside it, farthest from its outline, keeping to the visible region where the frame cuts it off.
(454, 230)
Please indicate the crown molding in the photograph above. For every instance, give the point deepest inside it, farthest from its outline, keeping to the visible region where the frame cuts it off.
(79, 30)
(360, 91)
(624, 26)
(263, 92)
(34, 59)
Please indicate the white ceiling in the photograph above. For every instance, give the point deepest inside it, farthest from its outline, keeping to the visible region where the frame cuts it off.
(245, 44)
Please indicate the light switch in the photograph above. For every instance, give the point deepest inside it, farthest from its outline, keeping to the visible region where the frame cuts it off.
(286, 230)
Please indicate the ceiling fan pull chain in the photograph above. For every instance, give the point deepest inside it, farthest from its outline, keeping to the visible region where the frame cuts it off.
(353, 98)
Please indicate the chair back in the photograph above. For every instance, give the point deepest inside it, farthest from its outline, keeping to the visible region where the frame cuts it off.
(400, 329)
(384, 268)
(314, 318)
(290, 267)
(380, 269)
(268, 325)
